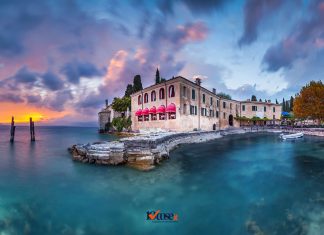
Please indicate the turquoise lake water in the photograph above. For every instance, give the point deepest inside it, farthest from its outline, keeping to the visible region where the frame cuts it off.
(241, 184)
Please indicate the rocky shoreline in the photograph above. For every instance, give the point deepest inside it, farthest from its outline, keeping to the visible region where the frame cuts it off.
(146, 151)
(143, 152)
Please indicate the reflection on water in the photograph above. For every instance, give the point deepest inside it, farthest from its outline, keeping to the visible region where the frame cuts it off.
(244, 184)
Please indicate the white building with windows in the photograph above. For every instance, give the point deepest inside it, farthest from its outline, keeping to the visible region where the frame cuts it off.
(179, 104)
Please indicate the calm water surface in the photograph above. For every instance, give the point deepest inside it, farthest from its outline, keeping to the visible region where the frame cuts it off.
(241, 184)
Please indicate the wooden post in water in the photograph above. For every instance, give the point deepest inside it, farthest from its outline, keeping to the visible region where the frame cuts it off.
(32, 130)
(12, 130)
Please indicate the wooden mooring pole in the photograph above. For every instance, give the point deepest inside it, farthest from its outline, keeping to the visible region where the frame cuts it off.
(12, 130)
(32, 130)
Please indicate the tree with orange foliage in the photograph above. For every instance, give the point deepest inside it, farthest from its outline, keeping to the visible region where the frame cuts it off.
(309, 103)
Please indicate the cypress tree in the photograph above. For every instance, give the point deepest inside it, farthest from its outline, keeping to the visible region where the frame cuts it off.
(277, 101)
(291, 103)
(129, 90)
(137, 83)
(157, 76)
(287, 106)
(283, 105)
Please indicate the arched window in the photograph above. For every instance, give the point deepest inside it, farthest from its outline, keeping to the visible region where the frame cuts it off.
(153, 96)
(171, 110)
(171, 91)
(161, 94)
(161, 112)
(145, 98)
(153, 113)
(139, 99)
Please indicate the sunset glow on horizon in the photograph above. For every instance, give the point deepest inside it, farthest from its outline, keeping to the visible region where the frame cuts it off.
(22, 113)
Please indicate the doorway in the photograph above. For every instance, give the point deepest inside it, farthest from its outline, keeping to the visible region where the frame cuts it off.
(230, 120)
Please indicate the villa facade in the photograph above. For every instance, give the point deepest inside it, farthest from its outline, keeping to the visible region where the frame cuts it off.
(262, 113)
(179, 104)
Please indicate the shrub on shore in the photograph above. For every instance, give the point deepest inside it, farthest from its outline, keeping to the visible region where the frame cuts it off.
(121, 123)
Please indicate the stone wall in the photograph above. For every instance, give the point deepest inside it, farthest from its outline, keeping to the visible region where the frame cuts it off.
(103, 119)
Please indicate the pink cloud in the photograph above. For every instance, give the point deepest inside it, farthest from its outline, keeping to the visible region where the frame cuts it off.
(141, 55)
(193, 32)
(116, 64)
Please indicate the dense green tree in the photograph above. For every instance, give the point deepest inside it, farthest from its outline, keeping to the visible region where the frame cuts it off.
(121, 104)
(129, 90)
(224, 95)
(137, 83)
(163, 80)
(253, 98)
(121, 123)
(283, 105)
(157, 76)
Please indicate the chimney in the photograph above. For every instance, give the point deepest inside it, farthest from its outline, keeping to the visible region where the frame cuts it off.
(198, 81)
(214, 91)
(106, 103)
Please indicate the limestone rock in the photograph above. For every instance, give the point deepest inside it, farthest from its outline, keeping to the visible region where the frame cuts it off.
(142, 151)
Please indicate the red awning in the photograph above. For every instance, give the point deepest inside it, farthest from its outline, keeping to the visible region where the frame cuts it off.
(161, 109)
(153, 110)
(145, 111)
(171, 108)
(138, 112)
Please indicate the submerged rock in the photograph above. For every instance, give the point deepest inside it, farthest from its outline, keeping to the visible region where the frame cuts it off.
(253, 228)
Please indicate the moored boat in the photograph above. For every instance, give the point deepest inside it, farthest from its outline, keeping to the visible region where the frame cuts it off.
(292, 136)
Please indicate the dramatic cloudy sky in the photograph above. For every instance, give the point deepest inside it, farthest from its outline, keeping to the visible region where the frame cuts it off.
(59, 59)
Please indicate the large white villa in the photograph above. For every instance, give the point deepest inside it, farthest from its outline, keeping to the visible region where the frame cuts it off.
(179, 104)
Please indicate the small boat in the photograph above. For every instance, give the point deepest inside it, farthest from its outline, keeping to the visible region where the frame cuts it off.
(292, 136)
